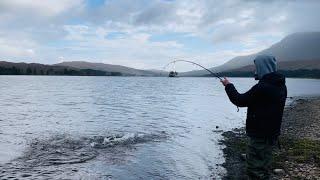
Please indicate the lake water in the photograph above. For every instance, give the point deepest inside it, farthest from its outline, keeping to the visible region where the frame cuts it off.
(118, 127)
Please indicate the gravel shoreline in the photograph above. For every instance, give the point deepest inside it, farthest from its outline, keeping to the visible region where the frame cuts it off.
(299, 156)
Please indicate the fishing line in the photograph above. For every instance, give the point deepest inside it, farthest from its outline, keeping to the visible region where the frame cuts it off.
(194, 63)
(197, 64)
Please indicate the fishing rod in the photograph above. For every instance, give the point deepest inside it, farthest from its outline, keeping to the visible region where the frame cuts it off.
(194, 63)
(180, 60)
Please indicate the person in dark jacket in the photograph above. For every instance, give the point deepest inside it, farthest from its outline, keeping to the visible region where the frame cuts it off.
(265, 102)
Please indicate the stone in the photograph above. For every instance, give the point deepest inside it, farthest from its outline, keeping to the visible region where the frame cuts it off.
(26, 175)
(243, 157)
(278, 171)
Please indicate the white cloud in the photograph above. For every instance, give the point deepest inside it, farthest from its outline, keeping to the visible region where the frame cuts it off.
(43, 31)
(42, 8)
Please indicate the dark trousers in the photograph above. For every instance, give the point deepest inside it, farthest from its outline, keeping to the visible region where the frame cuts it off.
(259, 157)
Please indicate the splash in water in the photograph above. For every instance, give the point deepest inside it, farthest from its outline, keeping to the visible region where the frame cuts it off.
(44, 156)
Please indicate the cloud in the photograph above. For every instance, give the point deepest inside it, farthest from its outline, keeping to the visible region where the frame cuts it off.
(91, 43)
(243, 19)
(122, 31)
(159, 13)
(48, 8)
(36, 12)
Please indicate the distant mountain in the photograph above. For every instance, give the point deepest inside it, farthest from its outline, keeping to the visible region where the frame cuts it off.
(10, 68)
(286, 65)
(79, 68)
(109, 68)
(297, 48)
(159, 72)
(299, 51)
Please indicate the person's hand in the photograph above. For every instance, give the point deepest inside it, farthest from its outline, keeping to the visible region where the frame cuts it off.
(225, 81)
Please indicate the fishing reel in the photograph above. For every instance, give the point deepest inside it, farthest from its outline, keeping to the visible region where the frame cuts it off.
(173, 72)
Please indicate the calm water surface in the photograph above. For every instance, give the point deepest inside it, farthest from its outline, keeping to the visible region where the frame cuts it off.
(118, 127)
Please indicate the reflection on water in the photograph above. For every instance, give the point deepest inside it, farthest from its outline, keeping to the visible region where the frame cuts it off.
(118, 127)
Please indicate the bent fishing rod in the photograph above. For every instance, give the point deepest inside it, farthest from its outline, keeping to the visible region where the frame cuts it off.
(181, 60)
(194, 63)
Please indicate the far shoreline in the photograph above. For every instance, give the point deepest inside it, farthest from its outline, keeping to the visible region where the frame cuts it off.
(24, 75)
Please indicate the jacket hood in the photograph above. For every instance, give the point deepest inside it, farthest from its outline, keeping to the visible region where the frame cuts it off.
(265, 64)
(274, 78)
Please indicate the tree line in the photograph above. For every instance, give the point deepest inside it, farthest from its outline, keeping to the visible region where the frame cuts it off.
(55, 71)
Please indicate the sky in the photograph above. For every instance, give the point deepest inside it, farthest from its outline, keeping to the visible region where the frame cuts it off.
(147, 34)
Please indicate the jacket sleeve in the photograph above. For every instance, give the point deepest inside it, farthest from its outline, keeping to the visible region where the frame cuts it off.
(240, 100)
